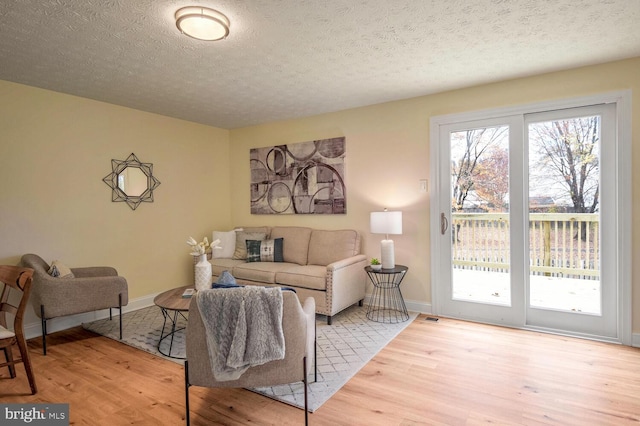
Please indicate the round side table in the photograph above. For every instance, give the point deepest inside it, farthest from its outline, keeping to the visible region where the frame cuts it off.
(386, 304)
(173, 306)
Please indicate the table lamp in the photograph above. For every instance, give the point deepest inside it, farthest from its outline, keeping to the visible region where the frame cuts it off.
(386, 223)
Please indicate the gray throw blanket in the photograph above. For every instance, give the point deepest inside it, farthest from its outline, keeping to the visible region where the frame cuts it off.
(243, 328)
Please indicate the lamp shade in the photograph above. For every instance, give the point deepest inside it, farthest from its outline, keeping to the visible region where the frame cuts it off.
(386, 222)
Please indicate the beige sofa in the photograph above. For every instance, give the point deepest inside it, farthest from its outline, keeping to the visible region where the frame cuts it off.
(323, 264)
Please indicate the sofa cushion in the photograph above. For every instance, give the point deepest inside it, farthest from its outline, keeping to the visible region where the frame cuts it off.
(265, 250)
(241, 242)
(220, 265)
(326, 247)
(263, 272)
(296, 242)
(265, 229)
(307, 276)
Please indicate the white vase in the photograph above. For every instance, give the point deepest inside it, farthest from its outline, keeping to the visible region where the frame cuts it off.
(203, 273)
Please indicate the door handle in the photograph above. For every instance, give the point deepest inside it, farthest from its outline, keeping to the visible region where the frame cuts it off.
(444, 223)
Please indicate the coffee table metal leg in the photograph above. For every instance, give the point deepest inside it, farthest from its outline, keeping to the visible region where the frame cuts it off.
(174, 321)
(173, 329)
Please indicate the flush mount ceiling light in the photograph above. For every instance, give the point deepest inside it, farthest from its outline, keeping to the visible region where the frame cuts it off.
(202, 23)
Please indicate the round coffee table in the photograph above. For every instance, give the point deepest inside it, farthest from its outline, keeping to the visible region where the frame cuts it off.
(173, 307)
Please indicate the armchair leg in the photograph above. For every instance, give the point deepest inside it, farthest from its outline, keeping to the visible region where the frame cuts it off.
(328, 319)
(186, 391)
(44, 330)
(305, 382)
(120, 309)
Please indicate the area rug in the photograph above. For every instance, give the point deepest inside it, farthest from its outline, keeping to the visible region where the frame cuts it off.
(343, 348)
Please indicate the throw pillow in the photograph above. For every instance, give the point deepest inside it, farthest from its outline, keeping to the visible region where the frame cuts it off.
(227, 245)
(226, 286)
(265, 250)
(60, 270)
(241, 245)
(226, 278)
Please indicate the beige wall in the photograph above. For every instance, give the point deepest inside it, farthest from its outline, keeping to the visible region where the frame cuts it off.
(54, 151)
(388, 153)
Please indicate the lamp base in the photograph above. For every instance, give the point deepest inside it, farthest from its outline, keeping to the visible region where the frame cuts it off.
(387, 254)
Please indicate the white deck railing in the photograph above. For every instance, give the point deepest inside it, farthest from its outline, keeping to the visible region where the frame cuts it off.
(560, 244)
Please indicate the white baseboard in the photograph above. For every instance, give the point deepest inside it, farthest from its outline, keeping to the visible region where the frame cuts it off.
(635, 340)
(34, 329)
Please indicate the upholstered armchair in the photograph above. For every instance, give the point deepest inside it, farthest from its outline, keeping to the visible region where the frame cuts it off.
(88, 289)
(298, 327)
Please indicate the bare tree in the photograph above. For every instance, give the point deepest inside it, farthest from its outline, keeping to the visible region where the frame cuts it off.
(473, 147)
(568, 159)
(568, 156)
(470, 149)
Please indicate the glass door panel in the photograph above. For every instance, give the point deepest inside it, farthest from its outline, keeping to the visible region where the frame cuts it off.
(564, 214)
(572, 221)
(480, 240)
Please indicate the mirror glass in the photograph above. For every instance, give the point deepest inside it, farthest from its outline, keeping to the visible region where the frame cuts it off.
(132, 181)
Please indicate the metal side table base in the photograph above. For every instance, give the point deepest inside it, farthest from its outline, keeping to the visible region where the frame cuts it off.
(387, 304)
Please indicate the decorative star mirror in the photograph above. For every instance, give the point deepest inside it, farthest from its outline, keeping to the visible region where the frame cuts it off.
(131, 181)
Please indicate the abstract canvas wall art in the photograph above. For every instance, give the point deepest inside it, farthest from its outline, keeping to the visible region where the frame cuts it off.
(299, 178)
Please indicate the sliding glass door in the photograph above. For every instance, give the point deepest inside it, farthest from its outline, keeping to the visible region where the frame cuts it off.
(527, 220)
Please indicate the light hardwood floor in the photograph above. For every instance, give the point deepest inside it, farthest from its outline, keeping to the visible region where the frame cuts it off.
(434, 373)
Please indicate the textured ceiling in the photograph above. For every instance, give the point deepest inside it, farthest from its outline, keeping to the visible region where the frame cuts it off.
(293, 58)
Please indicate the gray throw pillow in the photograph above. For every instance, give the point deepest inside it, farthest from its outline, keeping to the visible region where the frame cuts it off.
(241, 246)
(265, 250)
